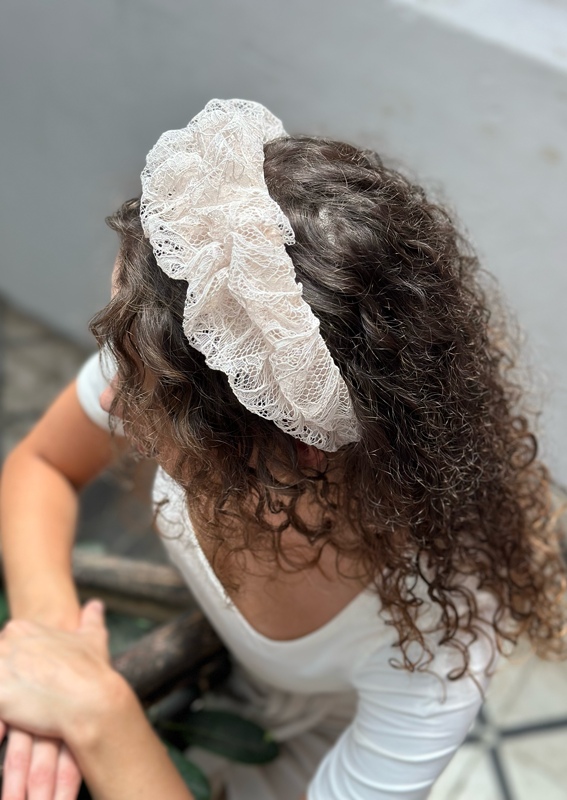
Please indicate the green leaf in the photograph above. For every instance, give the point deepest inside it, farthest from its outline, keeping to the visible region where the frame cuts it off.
(4, 610)
(227, 735)
(191, 774)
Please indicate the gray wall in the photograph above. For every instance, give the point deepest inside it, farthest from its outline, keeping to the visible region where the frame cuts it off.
(87, 87)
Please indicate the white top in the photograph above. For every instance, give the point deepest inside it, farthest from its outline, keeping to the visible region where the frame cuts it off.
(407, 725)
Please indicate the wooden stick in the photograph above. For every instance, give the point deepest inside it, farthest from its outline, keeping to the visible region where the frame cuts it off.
(139, 588)
(170, 656)
(131, 578)
(132, 606)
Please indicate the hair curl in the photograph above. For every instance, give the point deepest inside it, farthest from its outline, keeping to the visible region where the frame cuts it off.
(444, 482)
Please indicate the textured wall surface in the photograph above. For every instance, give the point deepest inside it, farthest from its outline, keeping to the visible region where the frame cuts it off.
(472, 98)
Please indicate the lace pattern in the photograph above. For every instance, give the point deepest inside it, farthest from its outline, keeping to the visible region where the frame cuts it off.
(211, 222)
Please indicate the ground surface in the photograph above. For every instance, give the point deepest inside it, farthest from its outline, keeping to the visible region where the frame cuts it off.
(517, 750)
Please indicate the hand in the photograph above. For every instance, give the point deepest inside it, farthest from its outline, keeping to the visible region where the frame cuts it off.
(44, 768)
(51, 681)
(61, 684)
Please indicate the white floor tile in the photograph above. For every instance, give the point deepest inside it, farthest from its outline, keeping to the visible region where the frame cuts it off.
(528, 691)
(469, 776)
(536, 766)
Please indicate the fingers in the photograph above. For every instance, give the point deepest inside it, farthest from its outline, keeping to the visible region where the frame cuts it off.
(17, 765)
(43, 768)
(68, 780)
(92, 624)
(92, 616)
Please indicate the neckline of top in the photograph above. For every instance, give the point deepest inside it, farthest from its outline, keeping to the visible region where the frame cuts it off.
(319, 633)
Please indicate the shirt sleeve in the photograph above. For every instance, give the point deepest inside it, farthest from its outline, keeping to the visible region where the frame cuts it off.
(93, 378)
(406, 729)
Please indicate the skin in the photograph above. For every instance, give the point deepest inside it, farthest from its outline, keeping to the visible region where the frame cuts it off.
(60, 684)
(67, 712)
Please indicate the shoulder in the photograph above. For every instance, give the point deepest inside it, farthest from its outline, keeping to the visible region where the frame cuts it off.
(430, 668)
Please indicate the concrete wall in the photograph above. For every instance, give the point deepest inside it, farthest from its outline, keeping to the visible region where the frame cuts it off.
(471, 94)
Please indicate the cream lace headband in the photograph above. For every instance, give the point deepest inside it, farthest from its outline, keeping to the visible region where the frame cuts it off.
(211, 222)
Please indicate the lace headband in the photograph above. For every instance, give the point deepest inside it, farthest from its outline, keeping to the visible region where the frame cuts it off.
(211, 222)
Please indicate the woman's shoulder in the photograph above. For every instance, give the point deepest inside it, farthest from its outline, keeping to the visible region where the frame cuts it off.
(466, 662)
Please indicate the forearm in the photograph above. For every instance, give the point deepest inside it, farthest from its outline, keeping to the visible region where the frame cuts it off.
(120, 756)
(38, 512)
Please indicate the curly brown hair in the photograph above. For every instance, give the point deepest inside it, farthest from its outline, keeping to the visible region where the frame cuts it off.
(444, 484)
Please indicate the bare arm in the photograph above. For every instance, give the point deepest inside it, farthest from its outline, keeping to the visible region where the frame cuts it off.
(38, 509)
(125, 759)
(38, 512)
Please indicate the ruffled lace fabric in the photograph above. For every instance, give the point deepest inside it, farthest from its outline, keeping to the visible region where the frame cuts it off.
(211, 222)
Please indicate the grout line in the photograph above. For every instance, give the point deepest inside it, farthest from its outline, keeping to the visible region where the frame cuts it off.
(511, 732)
(500, 774)
(536, 727)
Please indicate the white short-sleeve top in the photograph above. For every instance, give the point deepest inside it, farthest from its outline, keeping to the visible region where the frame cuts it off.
(407, 725)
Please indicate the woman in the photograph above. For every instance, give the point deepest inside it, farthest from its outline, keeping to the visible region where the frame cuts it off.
(301, 340)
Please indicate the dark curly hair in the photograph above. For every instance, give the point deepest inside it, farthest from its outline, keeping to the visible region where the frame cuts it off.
(443, 486)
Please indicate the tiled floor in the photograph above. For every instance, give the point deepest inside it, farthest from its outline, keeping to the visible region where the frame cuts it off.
(517, 749)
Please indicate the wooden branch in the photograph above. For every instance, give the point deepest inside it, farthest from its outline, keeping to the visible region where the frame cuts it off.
(132, 606)
(131, 578)
(129, 586)
(170, 656)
